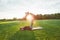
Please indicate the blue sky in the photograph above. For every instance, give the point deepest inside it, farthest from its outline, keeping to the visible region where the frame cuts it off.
(17, 8)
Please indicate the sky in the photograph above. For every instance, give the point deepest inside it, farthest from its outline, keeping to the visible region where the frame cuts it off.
(17, 8)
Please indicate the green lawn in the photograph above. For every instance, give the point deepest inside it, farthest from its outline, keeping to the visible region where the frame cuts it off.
(11, 30)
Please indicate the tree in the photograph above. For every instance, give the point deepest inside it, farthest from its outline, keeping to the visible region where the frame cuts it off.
(14, 18)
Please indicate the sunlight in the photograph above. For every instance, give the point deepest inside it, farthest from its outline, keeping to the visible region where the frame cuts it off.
(29, 17)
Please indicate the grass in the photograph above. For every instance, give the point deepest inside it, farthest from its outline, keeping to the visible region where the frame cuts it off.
(11, 30)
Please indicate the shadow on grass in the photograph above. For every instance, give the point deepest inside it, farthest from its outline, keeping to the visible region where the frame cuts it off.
(23, 35)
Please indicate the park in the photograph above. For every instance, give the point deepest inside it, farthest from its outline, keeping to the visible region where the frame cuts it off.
(11, 30)
(29, 19)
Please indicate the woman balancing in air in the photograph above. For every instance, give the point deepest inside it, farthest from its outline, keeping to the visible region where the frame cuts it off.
(30, 18)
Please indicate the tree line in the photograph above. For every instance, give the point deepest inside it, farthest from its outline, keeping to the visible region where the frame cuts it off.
(37, 17)
(48, 16)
